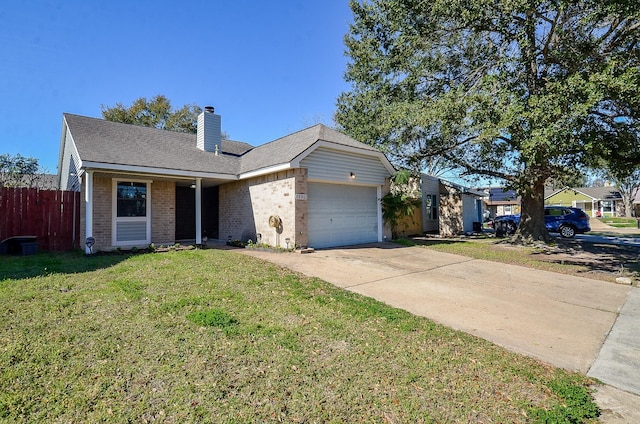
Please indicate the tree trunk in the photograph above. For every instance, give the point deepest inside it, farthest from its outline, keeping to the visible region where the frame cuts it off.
(532, 226)
(628, 208)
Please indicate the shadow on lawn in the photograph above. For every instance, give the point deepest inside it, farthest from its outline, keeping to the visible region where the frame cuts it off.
(46, 263)
(595, 257)
(590, 257)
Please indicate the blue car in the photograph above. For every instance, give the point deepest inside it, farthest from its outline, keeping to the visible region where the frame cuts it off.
(558, 219)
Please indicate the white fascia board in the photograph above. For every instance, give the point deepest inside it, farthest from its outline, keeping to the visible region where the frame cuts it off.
(157, 171)
(295, 163)
(64, 142)
(584, 194)
(62, 146)
(268, 170)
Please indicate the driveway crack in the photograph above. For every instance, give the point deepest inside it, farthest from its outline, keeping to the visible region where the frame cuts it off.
(422, 271)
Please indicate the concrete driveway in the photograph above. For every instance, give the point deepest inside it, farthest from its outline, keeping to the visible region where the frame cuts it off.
(560, 319)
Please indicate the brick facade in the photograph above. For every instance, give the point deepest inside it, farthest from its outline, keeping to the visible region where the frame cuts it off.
(163, 225)
(102, 212)
(246, 206)
(244, 210)
(163, 212)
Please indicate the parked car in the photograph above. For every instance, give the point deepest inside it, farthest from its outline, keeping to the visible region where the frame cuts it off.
(558, 219)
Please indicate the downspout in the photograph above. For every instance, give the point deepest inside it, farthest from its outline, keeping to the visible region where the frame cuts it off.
(198, 211)
(88, 204)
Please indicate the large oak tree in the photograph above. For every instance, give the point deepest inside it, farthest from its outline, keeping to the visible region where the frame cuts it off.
(519, 90)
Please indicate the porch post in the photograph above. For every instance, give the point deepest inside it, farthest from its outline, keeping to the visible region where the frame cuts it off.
(198, 211)
(379, 213)
(88, 204)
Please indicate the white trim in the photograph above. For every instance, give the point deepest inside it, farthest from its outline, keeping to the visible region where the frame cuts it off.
(198, 211)
(159, 171)
(114, 213)
(379, 201)
(269, 170)
(88, 204)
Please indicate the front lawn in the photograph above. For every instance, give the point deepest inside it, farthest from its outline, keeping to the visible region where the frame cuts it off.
(216, 336)
(619, 222)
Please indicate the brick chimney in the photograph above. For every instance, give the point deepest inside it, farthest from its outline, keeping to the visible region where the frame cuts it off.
(209, 137)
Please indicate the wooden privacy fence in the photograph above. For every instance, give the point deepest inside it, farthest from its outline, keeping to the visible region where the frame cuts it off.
(53, 216)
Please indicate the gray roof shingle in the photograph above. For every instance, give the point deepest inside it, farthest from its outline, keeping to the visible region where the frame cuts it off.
(101, 141)
(601, 193)
(98, 140)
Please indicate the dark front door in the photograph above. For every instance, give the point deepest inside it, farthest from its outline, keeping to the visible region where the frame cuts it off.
(186, 213)
(210, 212)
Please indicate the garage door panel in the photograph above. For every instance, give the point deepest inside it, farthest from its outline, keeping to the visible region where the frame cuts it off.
(341, 215)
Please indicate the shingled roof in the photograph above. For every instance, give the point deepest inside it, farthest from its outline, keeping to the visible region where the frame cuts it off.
(101, 141)
(597, 193)
(104, 142)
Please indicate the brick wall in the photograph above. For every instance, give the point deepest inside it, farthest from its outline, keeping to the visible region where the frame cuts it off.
(245, 208)
(301, 237)
(163, 212)
(102, 211)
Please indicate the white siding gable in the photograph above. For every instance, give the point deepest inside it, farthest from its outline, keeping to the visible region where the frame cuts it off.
(330, 165)
(69, 179)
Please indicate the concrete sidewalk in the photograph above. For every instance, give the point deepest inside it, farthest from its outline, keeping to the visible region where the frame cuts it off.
(618, 364)
(560, 319)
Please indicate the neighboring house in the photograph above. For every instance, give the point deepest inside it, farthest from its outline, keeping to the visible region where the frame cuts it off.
(449, 209)
(316, 187)
(39, 181)
(636, 205)
(499, 201)
(595, 201)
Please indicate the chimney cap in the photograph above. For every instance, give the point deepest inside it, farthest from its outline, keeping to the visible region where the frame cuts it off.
(209, 109)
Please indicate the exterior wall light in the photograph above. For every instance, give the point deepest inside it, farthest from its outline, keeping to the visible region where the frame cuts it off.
(352, 175)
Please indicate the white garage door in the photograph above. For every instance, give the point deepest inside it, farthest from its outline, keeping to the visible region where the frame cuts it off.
(340, 215)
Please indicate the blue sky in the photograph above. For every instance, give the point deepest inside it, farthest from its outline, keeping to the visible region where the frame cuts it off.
(268, 68)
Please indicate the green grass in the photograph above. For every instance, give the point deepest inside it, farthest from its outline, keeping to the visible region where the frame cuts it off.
(620, 222)
(216, 336)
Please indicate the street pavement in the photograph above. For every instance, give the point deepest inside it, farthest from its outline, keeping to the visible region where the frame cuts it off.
(567, 321)
(621, 240)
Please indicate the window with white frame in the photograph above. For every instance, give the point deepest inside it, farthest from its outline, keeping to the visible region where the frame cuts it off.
(131, 212)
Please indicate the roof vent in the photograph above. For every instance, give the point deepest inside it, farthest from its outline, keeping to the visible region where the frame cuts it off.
(209, 109)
